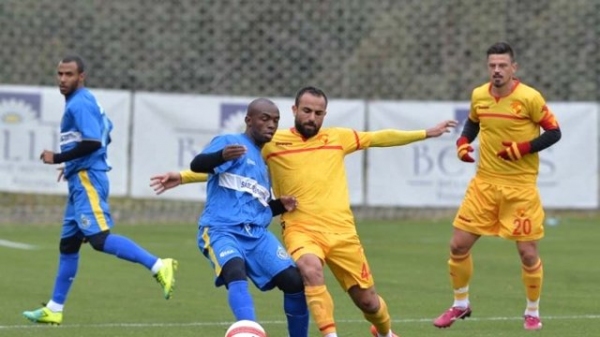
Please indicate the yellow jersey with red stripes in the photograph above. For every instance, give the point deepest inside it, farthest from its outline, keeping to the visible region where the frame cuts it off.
(313, 171)
(516, 117)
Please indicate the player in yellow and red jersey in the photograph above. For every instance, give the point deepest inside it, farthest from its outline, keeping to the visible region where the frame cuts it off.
(307, 161)
(502, 199)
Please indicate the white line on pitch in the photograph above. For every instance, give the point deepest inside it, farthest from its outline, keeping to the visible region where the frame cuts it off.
(191, 324)
(17, 245)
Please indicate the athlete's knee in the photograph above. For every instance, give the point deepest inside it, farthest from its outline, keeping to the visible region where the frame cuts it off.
(311, 269)
(70, 245)
(97, 240)
(234, 270)
(289, 281)
(528, 253)
(366, 300)
(462, 242)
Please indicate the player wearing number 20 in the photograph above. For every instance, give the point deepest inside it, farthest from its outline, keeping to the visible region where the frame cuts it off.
(502, 199)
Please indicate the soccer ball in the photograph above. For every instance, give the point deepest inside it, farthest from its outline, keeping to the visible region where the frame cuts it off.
(245, 328)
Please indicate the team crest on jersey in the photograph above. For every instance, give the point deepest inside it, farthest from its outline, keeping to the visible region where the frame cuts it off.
(282, 253)
(516, 107)
(19, 108)
(324, 138)
(85, 222)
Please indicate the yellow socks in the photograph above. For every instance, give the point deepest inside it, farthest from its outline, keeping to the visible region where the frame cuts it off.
(461, 270)
(532, 279)
(380, 319)
(320, 305)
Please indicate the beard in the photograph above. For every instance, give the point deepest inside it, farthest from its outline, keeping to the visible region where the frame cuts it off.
(69, 89)
(307, 132)
(498, 81)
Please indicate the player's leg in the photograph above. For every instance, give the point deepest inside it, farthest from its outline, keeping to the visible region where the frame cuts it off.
(522, 219)
(238, 295)
(374, 308)
(309, 257)
(227, 257)
(269, 265)
(460, 265)
(348, 263)
(68, 262)
(532, 274)
(90, 196)
(476, 216)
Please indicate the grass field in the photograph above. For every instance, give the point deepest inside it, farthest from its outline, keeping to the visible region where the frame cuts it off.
(408, 259)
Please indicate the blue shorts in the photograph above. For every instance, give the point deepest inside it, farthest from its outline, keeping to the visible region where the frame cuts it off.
(263, 254)
(87, 212)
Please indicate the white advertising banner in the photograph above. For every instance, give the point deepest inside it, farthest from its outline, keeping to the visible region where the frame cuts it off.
(170, 129)
(30, 122)
(428, 174)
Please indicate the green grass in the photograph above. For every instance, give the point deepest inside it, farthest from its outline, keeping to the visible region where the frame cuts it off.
(408, 259)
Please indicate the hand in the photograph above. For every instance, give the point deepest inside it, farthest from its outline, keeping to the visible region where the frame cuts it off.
(231, 152)
(440, 129)
(514, 151)
(289, 202)
(61, 174)
(47, 157)
(463, 148)
(166, 181)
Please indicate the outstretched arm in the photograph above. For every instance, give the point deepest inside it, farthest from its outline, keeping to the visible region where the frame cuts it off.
(166, 181)
(391, 137)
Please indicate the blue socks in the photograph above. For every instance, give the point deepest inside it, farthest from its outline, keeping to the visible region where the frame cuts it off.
(126, 249)
(67, 269)
(296, 312)
(240, 301)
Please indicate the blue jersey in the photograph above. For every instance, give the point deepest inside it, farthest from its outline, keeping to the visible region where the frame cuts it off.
(240, 190)
(84, 119)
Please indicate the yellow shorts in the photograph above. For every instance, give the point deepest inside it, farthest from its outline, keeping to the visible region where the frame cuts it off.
(512, 212)
(343, 253)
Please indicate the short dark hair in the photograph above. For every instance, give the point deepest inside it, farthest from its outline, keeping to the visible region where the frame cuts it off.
(77, 59)
(501, 48)
(311, 90)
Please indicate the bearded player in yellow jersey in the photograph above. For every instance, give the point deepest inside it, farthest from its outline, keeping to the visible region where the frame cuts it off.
(308, 162)
(502, 199)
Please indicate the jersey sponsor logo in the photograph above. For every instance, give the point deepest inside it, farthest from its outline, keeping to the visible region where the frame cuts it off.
(283, 143)
(245, 184)
(70, 137)
(251, 162)
(226, 252)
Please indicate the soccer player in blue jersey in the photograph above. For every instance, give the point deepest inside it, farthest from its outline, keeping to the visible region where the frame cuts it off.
(85, 135)
(233, 231)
